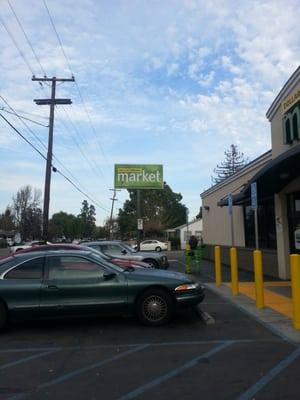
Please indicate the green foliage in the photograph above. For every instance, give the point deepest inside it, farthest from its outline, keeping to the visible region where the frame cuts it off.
(160, 210)
(7, 220)
(64, 224)
(234, 161)
(87, 219)
(27, 212)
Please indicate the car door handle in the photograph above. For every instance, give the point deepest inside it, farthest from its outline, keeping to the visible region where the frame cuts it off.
(52, 287)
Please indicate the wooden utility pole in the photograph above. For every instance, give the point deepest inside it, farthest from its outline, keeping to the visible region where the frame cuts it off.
(111, 213)
(52, 102)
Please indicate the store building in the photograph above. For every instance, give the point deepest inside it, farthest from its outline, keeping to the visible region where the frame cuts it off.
(277, 177)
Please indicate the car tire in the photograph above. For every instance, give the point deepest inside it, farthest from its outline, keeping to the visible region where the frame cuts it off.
(3, 316)
(152, 263)
(157, 248)
(155, 307)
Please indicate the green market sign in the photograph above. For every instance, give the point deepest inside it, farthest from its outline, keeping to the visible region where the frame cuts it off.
(138, 176)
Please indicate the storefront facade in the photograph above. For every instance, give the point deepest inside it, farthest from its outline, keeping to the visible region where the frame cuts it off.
(277, 176)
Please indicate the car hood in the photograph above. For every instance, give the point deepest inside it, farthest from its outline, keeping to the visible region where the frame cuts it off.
(148, 254)
(153, 274)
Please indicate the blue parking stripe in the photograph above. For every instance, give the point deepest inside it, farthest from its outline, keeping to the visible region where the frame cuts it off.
(248, 395)
(142, 389)
(24, 360)
(76, 372)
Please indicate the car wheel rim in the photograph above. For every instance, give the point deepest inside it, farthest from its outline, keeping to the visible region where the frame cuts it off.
(155, 308)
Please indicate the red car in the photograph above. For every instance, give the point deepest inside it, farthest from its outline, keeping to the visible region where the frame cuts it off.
(120, 262)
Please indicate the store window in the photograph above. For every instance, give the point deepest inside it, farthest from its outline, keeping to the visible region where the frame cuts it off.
(266, 225)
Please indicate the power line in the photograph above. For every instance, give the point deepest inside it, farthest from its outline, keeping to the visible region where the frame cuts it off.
(78, 88)
(57, 35)
(26, 37)
(54, 168)
(22, 116)
(17, 46)
(37, 138)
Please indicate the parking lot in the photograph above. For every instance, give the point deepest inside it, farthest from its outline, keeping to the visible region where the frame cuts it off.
(117, 358)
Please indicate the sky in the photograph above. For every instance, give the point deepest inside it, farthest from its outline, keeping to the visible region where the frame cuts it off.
(172, 82)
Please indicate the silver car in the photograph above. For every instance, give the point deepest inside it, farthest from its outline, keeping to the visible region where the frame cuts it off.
(122, 250)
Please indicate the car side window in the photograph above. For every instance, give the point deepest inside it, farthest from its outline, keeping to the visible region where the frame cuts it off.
(31, 269)
(71, 267)
(114, 250)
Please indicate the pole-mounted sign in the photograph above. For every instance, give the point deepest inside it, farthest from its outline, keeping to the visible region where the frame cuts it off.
(139, 176)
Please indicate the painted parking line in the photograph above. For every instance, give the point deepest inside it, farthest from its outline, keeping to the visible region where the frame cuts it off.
(77, 372)
(26, 359)
(158, 381)
(248, 395)
(160, 344)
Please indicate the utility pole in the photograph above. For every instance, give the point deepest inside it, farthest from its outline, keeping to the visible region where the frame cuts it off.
(52, 102)
(111, 213)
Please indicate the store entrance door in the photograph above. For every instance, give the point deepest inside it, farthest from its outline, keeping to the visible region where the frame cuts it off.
(294, 222)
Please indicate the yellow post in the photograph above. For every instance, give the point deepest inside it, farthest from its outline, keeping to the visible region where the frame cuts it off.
(295, 275)
(218, 265)
(187, 259)
(234, 271)
(259, 281)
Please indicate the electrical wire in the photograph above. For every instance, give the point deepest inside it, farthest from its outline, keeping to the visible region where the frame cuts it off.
(37, 138)
(17, 46)
(26, 37)
(53, 167)
(78, 89)
(22, 116)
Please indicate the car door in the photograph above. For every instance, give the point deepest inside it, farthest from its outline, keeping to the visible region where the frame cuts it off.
(21, 287)
(146, 245)
(76, 285)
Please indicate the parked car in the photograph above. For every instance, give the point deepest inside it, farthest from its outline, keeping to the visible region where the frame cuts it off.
(123, 251)
(152, 245)
(26, 245)
(66, 283)
(52, 247)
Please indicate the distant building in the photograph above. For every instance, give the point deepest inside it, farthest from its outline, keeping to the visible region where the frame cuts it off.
(184, 232)
(277, 177)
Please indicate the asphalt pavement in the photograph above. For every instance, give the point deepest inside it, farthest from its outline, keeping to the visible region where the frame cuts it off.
(239, 356)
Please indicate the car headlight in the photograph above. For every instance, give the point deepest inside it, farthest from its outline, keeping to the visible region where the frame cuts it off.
(186, 287)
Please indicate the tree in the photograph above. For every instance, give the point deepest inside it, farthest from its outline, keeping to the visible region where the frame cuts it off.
(160, 210)
(64, 224)
(234, 161)
(27, 212)
(87, 218)
(7, 220)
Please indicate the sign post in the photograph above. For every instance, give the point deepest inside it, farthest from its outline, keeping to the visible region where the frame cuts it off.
(254, 207)
(137, 177)
(230, 212)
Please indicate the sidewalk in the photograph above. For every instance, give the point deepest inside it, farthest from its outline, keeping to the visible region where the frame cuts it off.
(277, 313)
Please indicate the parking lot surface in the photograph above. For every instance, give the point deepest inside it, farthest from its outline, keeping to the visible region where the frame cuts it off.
(237, 357)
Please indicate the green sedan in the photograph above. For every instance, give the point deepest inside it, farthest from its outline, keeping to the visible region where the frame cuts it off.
(51, 284)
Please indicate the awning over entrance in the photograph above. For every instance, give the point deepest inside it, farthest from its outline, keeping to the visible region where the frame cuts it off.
(272, 178)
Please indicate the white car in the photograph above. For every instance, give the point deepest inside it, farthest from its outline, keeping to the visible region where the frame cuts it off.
(26, 245)
(153, 245)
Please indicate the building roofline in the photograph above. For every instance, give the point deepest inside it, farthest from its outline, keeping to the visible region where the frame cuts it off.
(287, 87)
(262, 158)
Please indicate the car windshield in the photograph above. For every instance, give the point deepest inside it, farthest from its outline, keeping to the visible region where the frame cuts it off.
(98, 257)
(128, 248)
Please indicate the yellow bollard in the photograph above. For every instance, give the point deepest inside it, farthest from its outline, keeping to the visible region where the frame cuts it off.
(259, 281)
(218, 265)
(187, 259)
(234, 271)
(295, 275)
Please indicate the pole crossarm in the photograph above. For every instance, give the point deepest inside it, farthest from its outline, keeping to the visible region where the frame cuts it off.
(43, 102)
(45, 79)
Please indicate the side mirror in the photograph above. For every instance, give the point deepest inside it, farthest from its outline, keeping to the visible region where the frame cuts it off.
(124, 252)
(109, 275)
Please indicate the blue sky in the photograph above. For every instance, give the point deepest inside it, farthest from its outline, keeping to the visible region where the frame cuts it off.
(172, 83)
